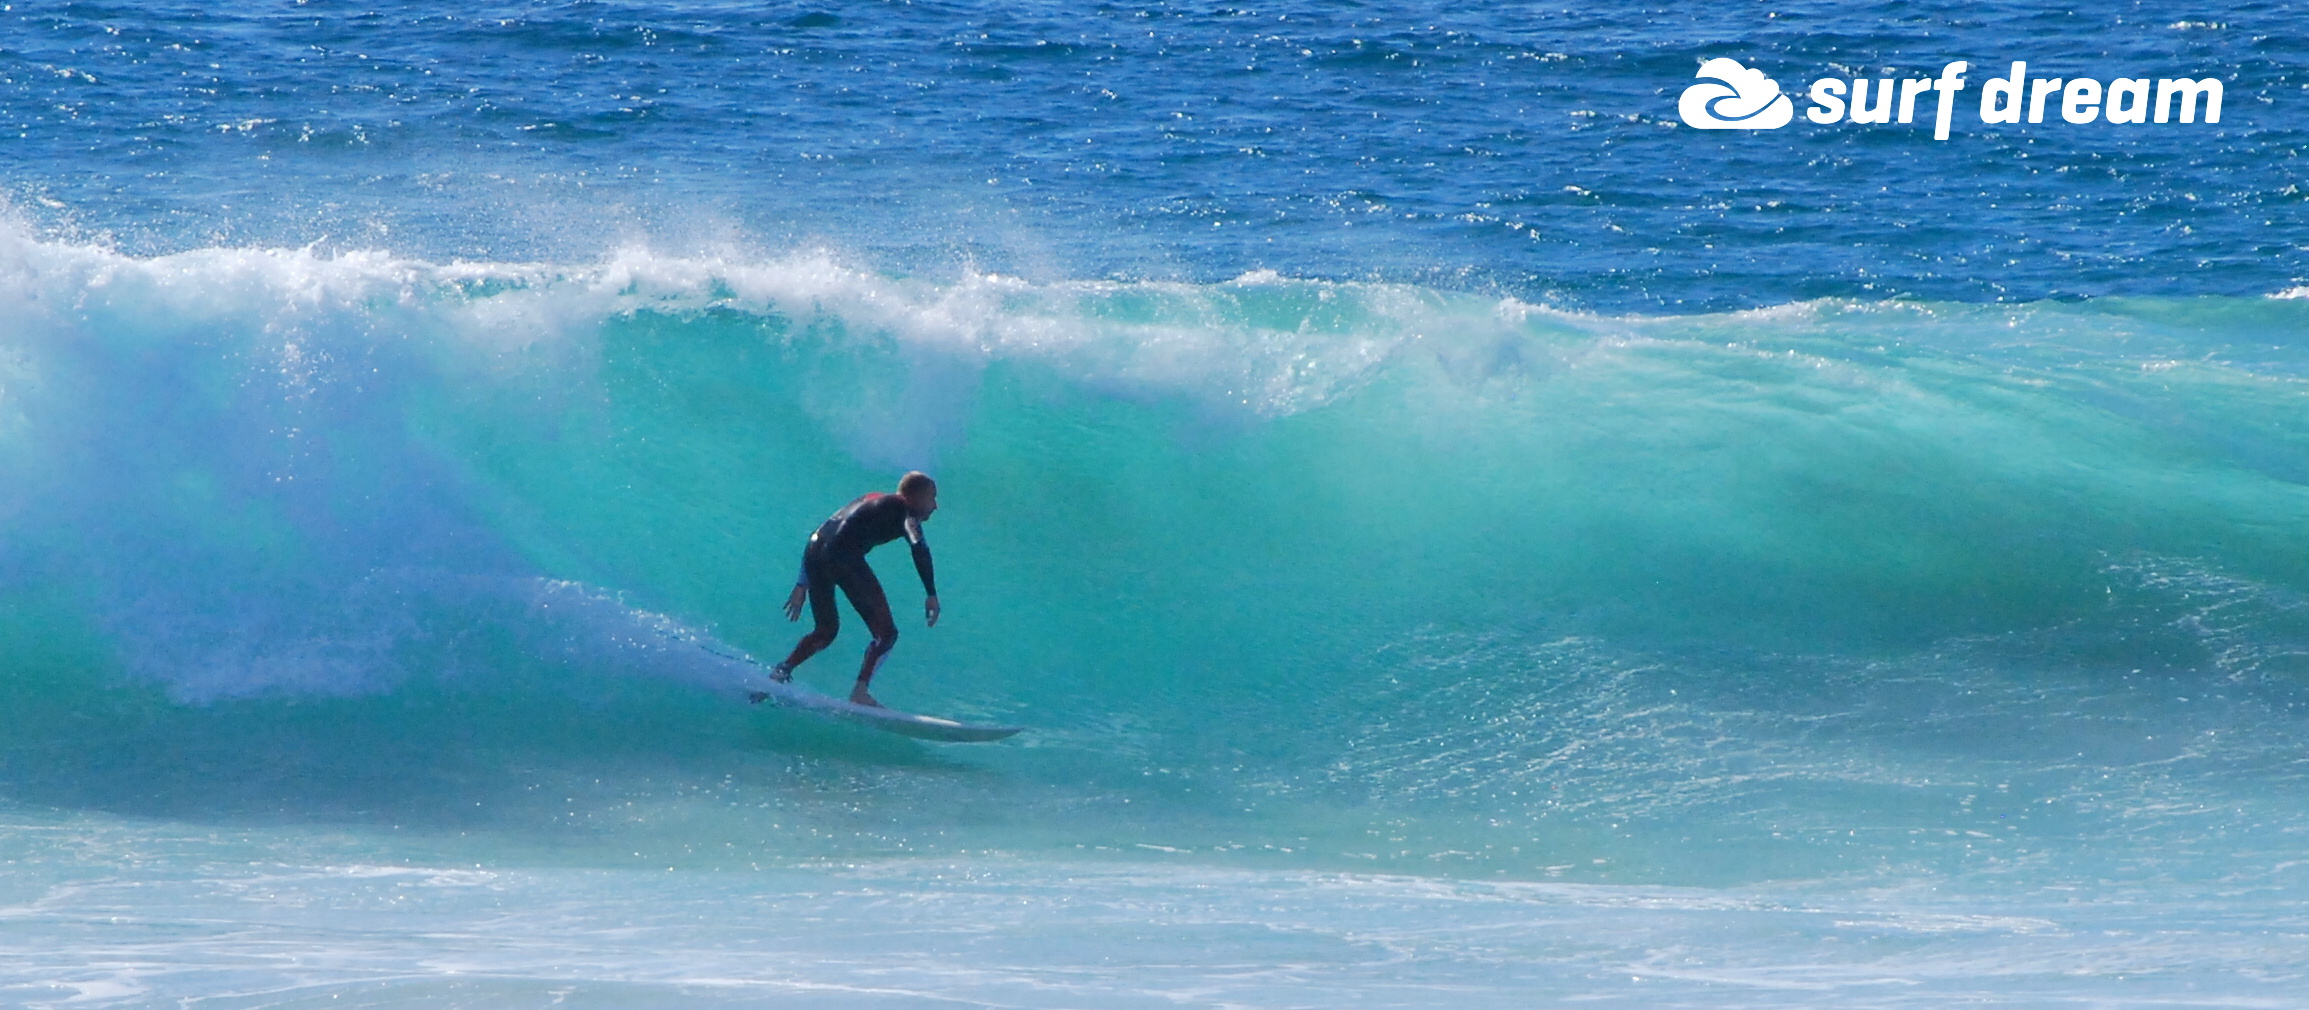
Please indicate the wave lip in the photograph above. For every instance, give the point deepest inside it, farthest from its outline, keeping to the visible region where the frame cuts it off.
(1263, 341)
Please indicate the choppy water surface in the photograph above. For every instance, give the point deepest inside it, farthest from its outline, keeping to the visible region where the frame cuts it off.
(1527, 149)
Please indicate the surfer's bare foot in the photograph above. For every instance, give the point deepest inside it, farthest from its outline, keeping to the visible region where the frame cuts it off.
(782, 673)
(860, 697)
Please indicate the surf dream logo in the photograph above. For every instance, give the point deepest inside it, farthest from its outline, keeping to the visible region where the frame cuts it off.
(1733, 97)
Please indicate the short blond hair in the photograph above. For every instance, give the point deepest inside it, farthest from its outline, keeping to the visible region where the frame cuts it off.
(916, 482)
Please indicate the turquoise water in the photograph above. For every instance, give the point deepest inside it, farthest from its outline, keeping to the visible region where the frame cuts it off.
(1391, 639)
(1441, 558)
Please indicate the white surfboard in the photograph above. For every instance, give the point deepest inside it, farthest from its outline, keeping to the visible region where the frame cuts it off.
(888, 720)
(760, 688)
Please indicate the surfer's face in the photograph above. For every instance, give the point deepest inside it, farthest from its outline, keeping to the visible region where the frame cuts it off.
(922, 504)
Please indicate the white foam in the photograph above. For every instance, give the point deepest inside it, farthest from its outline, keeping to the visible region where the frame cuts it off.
(1230, 341)
(195, 925)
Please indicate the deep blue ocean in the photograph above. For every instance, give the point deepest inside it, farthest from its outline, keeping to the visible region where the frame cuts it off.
(1457, 535)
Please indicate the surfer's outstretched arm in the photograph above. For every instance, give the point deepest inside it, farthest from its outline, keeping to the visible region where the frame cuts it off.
(801, 593)
(922, 567)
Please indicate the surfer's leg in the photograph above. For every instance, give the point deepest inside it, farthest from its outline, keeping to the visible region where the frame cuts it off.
(826, 618)
(865, 593)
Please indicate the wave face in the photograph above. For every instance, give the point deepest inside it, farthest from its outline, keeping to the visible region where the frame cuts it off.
(1308, 574)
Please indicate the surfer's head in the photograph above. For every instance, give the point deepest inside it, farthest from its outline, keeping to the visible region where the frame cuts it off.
(919, 492)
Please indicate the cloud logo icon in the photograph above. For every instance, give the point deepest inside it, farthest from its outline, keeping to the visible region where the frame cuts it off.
(1733, 97)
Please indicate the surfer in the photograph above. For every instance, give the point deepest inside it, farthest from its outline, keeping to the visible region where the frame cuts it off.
(836, 556)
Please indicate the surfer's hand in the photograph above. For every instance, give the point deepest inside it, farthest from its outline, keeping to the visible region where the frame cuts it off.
(930, 610)
(794, 602)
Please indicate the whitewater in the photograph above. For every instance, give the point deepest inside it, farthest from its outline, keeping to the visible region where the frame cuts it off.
(1455, 537)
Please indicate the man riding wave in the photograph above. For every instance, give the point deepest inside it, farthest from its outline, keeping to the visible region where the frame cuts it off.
(836, 557)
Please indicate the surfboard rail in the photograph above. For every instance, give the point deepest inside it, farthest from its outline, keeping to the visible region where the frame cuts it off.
(888, 720)
(787, 694)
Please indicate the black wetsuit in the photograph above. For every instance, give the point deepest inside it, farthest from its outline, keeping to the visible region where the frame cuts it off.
(836, 556)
